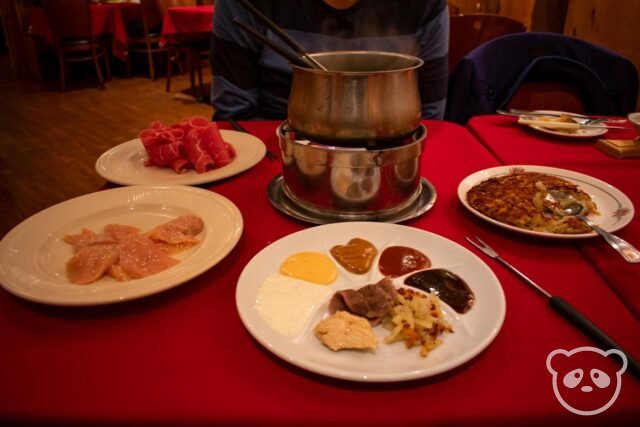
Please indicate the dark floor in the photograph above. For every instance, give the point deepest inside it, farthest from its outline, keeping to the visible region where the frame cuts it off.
(50, 140)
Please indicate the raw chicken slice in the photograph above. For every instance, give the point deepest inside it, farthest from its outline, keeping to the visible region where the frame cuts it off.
(179, 231)
(140, 257)
(91, 262)
(118, 273)
(118, 231)
(124, 253)
(87, 238)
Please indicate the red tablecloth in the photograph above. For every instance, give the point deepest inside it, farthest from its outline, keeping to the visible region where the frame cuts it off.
(184, 22)
(514, 144)
(183, 357)
(105, 19)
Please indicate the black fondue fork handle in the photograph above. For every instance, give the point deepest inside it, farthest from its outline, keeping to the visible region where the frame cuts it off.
(587, 327)
(237, 126)
(566, 310)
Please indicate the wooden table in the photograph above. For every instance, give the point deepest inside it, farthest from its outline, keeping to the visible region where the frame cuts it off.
(514, 144)
(186, 22)
(110, 19)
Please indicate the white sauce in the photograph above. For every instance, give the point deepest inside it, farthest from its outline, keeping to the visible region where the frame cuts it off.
(286, 303)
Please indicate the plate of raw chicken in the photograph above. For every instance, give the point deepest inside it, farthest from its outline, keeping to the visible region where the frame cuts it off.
(42, 259)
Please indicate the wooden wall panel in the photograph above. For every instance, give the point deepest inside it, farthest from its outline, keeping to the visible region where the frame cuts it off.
(519, 10)
(22, 48)
(615, 25)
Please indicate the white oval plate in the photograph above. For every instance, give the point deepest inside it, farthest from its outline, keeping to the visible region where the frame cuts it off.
(578, 134)
(124, 163)
(616, 209)
(33, 255)
(474, 330)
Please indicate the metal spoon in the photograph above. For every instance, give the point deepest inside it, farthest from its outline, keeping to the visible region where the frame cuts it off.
(578, 118)
(570, 206)
(595, 121)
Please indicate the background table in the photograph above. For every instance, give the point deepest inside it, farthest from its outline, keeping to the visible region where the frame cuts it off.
(187, 22)
(183, 357)
(108, 19)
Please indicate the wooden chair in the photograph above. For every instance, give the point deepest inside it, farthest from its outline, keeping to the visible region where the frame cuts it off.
(194, 51)
(539, 70)
(549, 95)
(466, 32)
(70, 24)
(147, 40)
(191, 51)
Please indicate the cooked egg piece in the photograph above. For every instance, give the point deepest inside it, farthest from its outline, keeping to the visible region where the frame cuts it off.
(286, 303)
(313, 267)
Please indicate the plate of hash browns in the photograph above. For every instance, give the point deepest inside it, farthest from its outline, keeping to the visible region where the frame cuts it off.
(515, 198)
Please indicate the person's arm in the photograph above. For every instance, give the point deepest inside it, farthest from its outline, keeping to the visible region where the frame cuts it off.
(234, 63)
(433, 38)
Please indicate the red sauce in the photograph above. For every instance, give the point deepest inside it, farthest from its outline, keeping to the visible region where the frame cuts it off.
(397, 261)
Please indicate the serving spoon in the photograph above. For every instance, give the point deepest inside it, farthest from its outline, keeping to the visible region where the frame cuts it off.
(567, 205)
(578, 118)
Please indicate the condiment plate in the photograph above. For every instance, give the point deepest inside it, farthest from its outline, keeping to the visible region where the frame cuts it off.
(474, 330)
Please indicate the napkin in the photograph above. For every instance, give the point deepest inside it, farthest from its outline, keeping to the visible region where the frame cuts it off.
(621, 276)
(620, 148)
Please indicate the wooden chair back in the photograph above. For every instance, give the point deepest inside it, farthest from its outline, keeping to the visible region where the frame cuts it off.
(466, 32)
(559, 96)
(541, 70)
(68, 18)
(165, 4)
(151, 16)
(453, 9)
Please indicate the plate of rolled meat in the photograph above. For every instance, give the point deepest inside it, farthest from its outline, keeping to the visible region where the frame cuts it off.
(191, 152)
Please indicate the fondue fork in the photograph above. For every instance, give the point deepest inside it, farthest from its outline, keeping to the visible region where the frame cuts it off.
(237, 126)
(311, 61)
(565, 309)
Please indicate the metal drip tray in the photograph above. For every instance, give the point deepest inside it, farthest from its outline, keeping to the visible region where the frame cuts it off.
(425, 199)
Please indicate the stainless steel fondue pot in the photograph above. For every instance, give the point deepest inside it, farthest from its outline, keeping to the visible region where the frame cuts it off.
(365, 99)
(345, 181)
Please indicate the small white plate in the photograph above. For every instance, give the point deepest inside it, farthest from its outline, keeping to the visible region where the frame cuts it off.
(33, 255)
(474, 330)
(124, 163)
(616, 209)
(578, 134)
